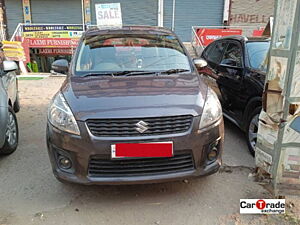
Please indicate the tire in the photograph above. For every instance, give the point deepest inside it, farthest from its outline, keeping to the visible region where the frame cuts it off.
(252, 129)
(17, 104)
(12, 134)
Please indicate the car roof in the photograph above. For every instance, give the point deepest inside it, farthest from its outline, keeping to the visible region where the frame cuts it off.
(243, 38)
(129, 30)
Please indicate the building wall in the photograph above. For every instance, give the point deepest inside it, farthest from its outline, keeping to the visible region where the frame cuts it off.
(251, 12)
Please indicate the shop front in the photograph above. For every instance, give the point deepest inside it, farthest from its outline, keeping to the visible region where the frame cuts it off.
(177, 15)
(46, 43)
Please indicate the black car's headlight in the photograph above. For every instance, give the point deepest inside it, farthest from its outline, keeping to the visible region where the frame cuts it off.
(212, 110)
(61, 116)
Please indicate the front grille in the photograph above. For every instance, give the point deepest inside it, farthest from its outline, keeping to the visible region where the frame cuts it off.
(140, 167)
(127, 127)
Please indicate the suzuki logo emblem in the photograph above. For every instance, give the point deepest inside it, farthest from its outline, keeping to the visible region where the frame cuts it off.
(141, 126)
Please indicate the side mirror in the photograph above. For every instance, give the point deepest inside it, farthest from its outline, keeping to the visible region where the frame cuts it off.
(200, 63)
(60, 66)
(9, 66)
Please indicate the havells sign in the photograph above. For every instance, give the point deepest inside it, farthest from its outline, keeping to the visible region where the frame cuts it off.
(108, 15)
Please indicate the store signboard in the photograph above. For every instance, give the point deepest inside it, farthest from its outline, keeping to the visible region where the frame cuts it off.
(53, 34)
(108, 15)
(87, 12)
(53, 42)
(58, 27)
(26, 11)
(207, 35)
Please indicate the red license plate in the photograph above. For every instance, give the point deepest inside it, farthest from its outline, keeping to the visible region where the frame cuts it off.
(133, 150)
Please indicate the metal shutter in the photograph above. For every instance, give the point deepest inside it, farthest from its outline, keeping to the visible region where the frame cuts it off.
(190, 13)
(134, 12)
(14, 14)
(56, 11)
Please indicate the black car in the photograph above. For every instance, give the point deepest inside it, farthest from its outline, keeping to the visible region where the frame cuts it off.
(236, 71)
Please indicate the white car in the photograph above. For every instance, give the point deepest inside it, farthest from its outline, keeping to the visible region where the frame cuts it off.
(9, 105)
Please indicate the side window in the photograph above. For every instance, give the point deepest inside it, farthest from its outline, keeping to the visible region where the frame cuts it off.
(233, 55)
(216, 53)
(207, 50)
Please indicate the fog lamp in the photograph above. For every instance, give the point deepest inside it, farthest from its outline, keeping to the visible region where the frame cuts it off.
(213, 151)
(212, 155)
(64, 162)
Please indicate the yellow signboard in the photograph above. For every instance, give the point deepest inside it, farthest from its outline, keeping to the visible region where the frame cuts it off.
(87, 11)
(53, 34)
(26, 11)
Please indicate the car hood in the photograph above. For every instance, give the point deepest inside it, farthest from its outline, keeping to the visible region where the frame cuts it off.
(134, 96)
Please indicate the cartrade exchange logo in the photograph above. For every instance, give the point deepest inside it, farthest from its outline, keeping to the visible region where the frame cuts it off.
(262, 206)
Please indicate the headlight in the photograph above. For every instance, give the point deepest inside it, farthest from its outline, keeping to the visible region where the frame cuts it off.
(61, 116)
(212, 110)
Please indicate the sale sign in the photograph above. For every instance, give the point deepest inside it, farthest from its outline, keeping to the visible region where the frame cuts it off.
(108, 15)
(207, 35)
(53, 42)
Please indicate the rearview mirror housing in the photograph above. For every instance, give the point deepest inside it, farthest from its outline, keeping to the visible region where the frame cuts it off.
(9, 66)
(60, 66)
(200, 63)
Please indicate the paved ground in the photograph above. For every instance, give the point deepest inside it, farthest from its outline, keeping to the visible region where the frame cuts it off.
(29, 193)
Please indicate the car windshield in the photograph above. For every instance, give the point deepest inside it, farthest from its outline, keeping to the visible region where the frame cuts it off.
(102, 54)
(258, 52)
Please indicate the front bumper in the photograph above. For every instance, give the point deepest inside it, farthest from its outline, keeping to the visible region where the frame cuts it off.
(80, 149)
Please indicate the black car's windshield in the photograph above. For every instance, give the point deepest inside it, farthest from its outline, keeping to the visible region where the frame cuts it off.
(103, 54)
(258, 52)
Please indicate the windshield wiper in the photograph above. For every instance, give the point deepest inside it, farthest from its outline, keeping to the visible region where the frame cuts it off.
(97, 74)
(171, 71)
(133, 72)
(121, 73)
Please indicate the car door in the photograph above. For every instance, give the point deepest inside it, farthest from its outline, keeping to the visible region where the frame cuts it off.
(230, 78)
(213, 55)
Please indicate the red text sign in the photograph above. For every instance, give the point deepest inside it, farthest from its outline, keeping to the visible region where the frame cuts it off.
(53, 42)
(207, 36)
(257, 33)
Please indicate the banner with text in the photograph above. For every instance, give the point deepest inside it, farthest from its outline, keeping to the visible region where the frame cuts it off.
(207, 35)
(53, 43)
(69, 27)
(53, 34)
(55, 51)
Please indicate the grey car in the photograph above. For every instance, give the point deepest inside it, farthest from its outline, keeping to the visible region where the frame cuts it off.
(9, 105)
(133, 109)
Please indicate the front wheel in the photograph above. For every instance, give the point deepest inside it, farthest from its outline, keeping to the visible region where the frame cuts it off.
(12, 134)
(252, 129)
